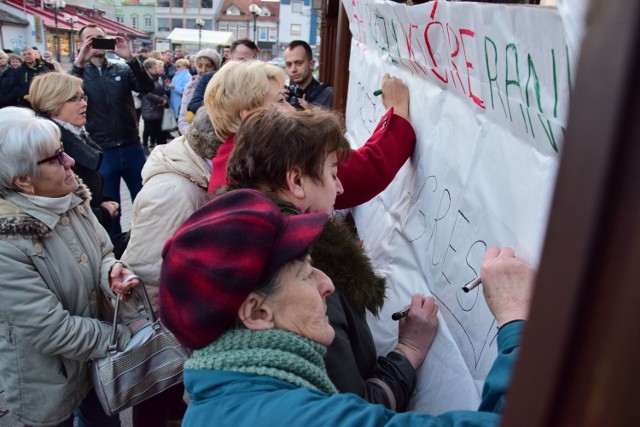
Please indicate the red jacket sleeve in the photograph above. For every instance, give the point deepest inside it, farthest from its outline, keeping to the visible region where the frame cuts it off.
(219, 165)
(372, 167)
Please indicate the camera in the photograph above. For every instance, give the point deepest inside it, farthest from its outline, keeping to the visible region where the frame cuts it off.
(104, 43)
(295, 93)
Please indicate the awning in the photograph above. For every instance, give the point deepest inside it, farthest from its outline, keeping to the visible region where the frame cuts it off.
(191, 36)
(11, 19)
(48, 20)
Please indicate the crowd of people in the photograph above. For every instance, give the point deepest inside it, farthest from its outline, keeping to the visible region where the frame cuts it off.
(233, 233)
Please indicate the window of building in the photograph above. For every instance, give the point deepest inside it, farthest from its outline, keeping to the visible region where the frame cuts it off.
(134, 21)
(148, 22)
(163, 24)
(206, 4)
(176, 23)
(120, 19)
(233, 11)
(296, 6)
(193, 3)
(296, 29)
(163, 3)
(273, 34)
(176, 3)
(262, 33)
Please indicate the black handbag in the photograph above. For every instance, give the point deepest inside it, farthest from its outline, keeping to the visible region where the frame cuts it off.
(151, 362)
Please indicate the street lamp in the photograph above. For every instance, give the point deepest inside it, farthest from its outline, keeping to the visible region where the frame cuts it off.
(56, 5)
(72, 19)
(199, 24)
(254, 9)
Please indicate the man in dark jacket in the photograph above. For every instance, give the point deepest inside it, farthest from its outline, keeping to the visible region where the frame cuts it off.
(111, 117)
(299, 63)
(16, 83)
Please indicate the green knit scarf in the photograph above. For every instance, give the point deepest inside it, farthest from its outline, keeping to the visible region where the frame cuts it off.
(271, 352)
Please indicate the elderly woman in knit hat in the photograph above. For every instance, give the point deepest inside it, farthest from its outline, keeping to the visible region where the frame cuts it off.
(239, 288)
(206, 60)
(175, 179)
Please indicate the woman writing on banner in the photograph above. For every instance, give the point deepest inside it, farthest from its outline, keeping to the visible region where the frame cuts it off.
(56, 262)
(242, 86)
(293, 158)
(238, 286)
(60, 97)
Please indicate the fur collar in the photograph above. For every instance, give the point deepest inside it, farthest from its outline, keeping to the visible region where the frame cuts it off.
(339, 253)
(15, 223)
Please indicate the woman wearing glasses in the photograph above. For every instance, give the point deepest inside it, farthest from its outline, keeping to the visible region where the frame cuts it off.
(56, 263)
(59, 97)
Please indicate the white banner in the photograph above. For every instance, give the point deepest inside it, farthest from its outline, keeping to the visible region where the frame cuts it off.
(490, 87)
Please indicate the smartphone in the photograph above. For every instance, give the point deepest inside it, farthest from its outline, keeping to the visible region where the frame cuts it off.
(104, 43)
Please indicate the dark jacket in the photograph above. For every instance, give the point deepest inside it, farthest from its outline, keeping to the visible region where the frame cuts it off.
(351, 358)
(317, 93)
(111, 115)
(198, 95)
(17, 82)
(152, 108)
(88, 157)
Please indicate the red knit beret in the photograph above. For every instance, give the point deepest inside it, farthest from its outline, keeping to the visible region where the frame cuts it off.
(220, 255)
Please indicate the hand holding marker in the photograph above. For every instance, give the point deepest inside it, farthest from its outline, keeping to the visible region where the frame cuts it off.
(466, 288)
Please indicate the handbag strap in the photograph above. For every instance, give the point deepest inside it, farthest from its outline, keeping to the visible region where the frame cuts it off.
(113, 347)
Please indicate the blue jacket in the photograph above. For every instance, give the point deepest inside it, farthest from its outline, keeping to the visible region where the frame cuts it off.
(239, 399)
(179, 81)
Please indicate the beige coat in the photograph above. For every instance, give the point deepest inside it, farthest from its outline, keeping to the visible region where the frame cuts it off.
(175, 181)
(53, 268)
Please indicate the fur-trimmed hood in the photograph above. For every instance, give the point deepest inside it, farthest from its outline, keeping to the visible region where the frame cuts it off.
(16, 223)
(340, 255)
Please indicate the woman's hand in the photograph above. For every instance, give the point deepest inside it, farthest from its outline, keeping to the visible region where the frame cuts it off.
(111, 207)
(395, 93)
(418, 329)
(117, 275)
(507, 284)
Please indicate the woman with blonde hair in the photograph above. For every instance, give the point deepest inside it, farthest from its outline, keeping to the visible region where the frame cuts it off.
(60, 98)
(14, 60)
(178, 83)
(153, 105)
(240, 87)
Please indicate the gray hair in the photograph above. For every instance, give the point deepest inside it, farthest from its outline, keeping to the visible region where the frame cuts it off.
(201, 135)
(24, 139)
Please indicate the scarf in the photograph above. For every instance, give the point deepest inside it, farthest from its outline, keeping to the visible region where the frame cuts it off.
(57, 205)
(272, 352)
(76, 130)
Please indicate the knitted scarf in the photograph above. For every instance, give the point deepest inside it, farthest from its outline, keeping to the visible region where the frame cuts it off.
(271, 352)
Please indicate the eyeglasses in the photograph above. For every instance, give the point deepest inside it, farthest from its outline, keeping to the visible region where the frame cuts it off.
(59, 156)
(78, 98)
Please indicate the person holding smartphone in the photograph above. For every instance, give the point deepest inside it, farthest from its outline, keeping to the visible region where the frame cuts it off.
(112, 121)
